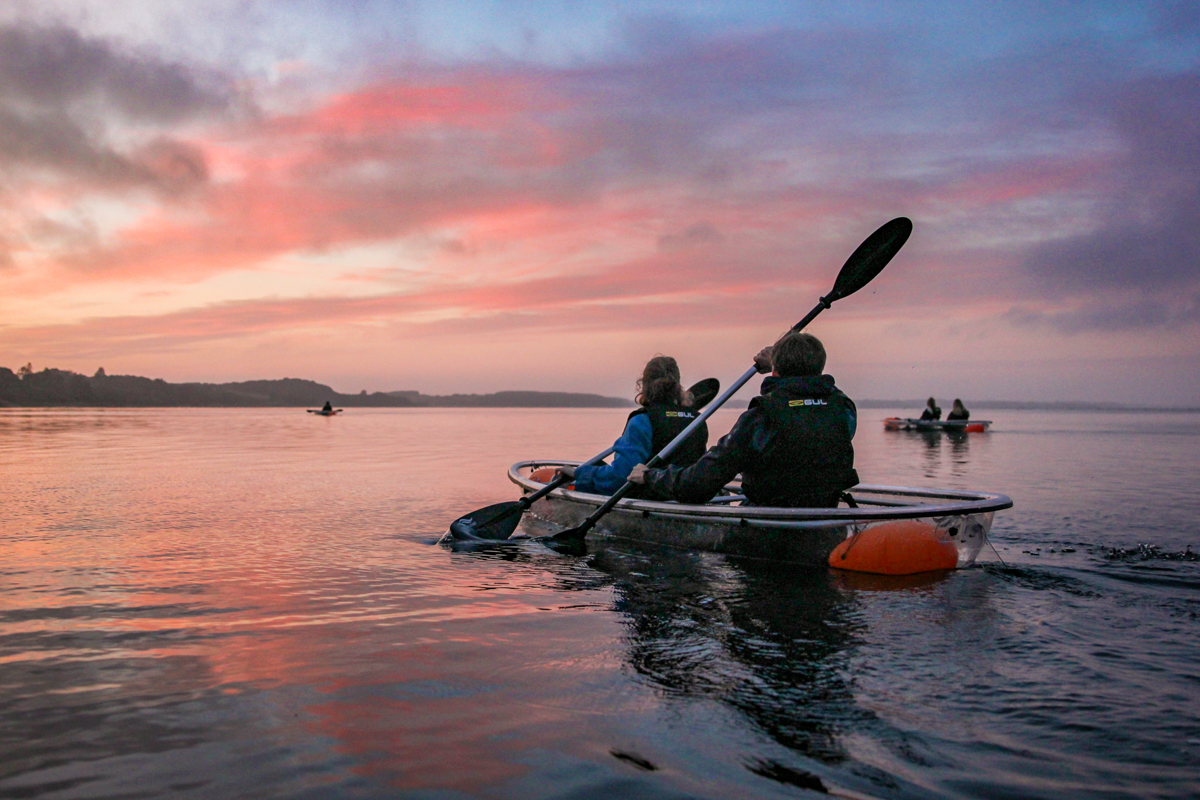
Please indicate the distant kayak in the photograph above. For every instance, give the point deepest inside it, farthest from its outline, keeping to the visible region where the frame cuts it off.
(322, 412)
(952, 425)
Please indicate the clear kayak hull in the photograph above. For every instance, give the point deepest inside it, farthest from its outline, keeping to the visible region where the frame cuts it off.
(958, 520)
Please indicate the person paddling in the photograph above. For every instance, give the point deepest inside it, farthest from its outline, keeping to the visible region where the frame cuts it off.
(792, 447)
(959, 411)
(327, 408)
(665, 411)
(931, 410)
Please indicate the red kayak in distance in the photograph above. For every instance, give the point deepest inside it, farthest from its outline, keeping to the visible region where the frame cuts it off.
(951, 425)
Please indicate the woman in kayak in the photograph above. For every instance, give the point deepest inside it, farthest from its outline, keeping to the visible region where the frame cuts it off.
(931, 410)
(959, 411)
(665, 412)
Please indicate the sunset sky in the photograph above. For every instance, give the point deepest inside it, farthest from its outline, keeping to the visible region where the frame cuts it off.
(480, 196)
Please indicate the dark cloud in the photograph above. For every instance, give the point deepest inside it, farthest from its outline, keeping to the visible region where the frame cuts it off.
(1179, 18)
(171, 165)
(1146, 237)
(53, 140)
(55, 67)
(1134, 312)
(57, 143)
(698, 235)
(63, 95)
(57, 234)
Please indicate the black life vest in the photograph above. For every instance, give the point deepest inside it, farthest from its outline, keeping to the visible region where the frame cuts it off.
(807, 458)
(667, 422)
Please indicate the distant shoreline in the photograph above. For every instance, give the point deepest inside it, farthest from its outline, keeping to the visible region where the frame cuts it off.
(54, 388)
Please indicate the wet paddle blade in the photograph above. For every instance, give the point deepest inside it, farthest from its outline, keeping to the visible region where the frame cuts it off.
(571, 534)
(570, 547)
(491, 523)
(871, 257)
(703, 392)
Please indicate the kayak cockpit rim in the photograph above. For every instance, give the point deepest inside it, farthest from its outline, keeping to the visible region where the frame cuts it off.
(877, 502)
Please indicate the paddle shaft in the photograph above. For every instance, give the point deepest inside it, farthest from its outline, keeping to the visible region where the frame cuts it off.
(581, 531)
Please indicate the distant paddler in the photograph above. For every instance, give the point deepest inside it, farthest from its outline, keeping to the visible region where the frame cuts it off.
(326, 410)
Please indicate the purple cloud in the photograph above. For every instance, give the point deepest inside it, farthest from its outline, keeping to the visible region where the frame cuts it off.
(52, 68)
(1146, 234)
(62, 93)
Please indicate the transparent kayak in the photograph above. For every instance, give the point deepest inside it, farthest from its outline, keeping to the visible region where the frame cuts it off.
(794, 535)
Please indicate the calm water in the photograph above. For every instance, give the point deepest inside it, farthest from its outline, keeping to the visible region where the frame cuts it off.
(251, 603)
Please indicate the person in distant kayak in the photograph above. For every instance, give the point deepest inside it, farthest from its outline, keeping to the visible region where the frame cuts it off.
(959, 411)
(327, 407)
(665, 411)
(792, 447)
(931, 410)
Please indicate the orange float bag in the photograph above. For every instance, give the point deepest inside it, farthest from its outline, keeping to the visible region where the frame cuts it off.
(900, 547)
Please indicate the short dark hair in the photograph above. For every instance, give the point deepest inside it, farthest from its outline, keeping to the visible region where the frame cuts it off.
(797, 355)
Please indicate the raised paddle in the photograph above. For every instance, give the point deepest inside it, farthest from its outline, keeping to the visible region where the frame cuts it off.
(863, 265)
(497, 522)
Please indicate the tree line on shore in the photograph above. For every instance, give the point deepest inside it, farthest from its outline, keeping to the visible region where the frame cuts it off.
(56, 387)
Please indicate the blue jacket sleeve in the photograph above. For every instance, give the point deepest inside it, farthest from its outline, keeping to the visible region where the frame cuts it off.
(631, 449)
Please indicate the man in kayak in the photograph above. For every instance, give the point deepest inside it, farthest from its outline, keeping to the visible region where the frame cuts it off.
(792, 446)
(327, 408)
(665, 411)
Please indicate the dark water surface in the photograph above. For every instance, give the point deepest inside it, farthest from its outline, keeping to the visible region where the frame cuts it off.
(251, 603)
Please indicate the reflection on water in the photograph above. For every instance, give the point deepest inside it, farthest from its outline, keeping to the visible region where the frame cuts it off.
(768, 642)
(943, 453)
(230, 603)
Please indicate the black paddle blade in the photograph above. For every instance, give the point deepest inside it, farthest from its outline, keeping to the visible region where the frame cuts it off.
(575, 534)
(703, 392)
(570, 547)
(871, 257)
(492, 523)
